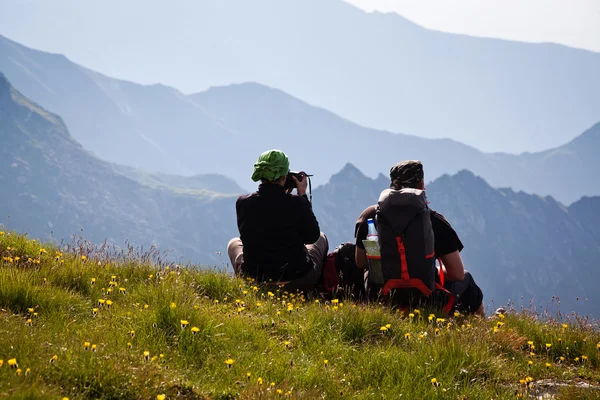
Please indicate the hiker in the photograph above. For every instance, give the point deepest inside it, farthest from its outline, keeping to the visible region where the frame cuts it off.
(407, 188)
(280, 240)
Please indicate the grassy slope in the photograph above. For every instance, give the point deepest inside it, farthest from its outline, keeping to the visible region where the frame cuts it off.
(296, 348)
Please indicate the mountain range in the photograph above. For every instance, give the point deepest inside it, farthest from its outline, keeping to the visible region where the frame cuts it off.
(379, 70)
(223, 130)
(517, 245)
(53, 189)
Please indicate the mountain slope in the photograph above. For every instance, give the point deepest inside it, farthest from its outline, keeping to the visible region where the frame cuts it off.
(380, 70)
(52, 187)
(518, 246)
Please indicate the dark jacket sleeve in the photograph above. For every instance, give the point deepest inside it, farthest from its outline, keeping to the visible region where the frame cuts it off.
(307, 222)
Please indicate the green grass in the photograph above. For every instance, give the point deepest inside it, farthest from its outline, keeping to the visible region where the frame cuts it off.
(297, 348)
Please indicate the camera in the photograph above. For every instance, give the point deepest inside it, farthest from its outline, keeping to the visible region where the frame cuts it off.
(290, 183)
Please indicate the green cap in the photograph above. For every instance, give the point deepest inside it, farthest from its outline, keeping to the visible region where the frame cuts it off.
(271, 165)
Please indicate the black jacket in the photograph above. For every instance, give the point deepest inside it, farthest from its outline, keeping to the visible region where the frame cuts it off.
(274, 227)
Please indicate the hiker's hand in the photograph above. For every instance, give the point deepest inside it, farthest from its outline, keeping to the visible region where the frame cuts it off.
(301, 185)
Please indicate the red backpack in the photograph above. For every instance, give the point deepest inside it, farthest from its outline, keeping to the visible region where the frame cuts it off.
(341, 273)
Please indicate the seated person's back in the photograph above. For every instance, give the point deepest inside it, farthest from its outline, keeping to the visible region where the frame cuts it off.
(274, 227)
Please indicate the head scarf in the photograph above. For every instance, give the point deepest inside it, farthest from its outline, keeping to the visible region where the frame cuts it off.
(271, 165)
(406, 174)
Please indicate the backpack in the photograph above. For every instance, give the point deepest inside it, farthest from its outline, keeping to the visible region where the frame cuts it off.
(406, 243)
(340, 271)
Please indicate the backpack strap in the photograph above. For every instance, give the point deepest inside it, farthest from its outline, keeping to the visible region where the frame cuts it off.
(441, 271)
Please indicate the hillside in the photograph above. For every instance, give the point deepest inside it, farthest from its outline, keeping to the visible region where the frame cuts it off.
(53, 188)
(83, 324)
(221, 131)
(379, 70)
(519, 247)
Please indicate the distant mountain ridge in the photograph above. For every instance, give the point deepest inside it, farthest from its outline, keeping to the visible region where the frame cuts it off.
(223, 130)
(379, 70)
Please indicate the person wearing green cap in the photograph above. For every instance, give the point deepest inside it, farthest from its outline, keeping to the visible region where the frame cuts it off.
(280, 240)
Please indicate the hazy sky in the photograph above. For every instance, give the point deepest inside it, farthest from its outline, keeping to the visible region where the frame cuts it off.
(574, 23)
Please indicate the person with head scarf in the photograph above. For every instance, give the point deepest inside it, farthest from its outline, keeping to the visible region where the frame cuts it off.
(469, 297)
(280, 240)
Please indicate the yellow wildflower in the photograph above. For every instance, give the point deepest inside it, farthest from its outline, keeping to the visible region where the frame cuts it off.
(195, 330)
(229, 362)
(383, 329)
(325, 362)
(146, 355)
(548, 365)
(173, 304)
(259, 381)
(86, 345)
(407, 335)
(13, 363)
(19, 371)
(184, 323)
(161, 397)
